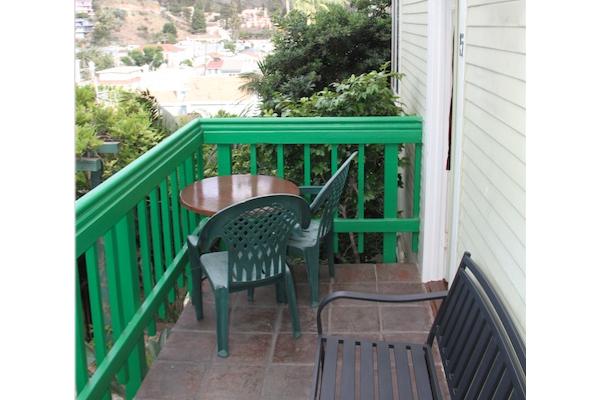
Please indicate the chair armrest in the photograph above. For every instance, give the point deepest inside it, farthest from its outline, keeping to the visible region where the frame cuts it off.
(380, 298)
(312, 190)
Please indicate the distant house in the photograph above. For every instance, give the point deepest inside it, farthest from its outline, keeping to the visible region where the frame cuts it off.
(173, 54)
(125, 76)
(205, 95)
(84, 6)
(214, 66)
(83, 27)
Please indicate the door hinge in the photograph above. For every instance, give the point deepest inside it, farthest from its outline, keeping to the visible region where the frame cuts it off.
(461, 44)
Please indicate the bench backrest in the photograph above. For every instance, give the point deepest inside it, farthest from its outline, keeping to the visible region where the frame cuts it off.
(482, 353)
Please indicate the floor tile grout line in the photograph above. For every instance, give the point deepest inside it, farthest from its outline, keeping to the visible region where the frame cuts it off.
(275, 335)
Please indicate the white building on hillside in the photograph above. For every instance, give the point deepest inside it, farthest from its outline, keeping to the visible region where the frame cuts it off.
(125, 76)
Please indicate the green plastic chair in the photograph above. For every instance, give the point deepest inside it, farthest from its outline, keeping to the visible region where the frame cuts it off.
(255, 234)
(305, 243)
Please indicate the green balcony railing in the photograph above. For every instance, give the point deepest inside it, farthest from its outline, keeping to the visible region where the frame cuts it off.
(132, 228)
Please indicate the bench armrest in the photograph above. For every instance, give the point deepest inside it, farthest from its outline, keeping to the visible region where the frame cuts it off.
(380, 298)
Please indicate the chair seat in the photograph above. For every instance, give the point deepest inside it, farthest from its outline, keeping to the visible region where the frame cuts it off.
(303, 238)
(374, 363)
(215, 265)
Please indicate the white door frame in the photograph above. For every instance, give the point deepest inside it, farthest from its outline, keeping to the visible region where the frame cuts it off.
(435, 140)
(457, 136)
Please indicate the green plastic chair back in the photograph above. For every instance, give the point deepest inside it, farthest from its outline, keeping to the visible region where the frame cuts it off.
(328, 199)
(255, 233)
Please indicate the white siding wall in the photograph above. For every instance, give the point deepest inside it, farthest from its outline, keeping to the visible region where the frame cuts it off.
(492, 198)
(413, 54)
(409, 56)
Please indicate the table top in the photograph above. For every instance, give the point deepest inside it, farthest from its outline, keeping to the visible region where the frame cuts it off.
(211, 195)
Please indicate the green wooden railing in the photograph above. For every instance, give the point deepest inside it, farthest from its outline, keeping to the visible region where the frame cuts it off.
(131, 229)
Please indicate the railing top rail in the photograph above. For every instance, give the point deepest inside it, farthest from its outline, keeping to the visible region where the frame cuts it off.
(313, 130)
(313, 120)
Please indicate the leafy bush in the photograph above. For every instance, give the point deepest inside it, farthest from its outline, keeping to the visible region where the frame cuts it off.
(134, 121)
(310, 54)
(150, 55)
(367, 94)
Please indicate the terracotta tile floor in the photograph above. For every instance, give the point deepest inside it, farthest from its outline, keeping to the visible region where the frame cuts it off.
(265, 361)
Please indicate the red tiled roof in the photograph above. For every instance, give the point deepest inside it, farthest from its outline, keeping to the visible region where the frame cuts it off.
(169, 48)
(214, 64)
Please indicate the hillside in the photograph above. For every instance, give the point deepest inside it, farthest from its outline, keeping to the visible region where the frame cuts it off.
(142, 19)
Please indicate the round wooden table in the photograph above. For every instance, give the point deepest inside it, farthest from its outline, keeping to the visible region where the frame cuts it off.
(211, 195)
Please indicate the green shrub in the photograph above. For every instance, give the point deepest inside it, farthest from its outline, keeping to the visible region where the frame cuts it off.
(134, 121)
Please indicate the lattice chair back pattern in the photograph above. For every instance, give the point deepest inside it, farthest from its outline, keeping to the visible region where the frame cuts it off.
(257, 240)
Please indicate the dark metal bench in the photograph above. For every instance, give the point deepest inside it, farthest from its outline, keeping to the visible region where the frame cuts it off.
(482, 355)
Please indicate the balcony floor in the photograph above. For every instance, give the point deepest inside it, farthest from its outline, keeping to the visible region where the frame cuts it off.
(265, 361)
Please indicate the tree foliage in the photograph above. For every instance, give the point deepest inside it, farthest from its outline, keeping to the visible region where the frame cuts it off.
(151, 56)
(198, 20)
(134, 121)
(107, 22)
(309, 54)
(169, 27)
(100, 59)
(365, 94)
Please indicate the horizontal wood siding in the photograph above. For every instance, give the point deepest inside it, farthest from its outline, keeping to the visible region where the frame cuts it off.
(492, 212)
(411, 53)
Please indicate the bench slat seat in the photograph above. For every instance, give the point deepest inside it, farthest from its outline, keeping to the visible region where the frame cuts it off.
(482, 355)
(375, 362)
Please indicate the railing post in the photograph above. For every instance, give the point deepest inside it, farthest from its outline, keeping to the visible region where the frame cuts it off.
(390, 199)
(130, 296)
(416, 206)
(224, 159)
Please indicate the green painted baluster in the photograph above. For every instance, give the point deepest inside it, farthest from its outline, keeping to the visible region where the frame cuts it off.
(81, 373)
(307, 165)
(416, 209)
(145, 256)
(184, 180)
(360, 205)
(280, 164)
(188, 168)
(390, 199)
(199, 164)
(114, 294)
(130, 288)
(334, 168)
(156, 243)
(175, 216)
(223, 159)
(166, 227)
(183, 211)
(253, 169)
(94, 288)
